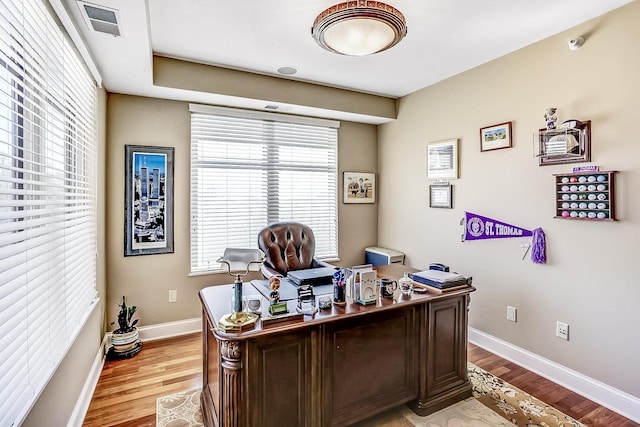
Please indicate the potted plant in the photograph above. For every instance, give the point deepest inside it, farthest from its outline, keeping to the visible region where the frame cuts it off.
(125, 340)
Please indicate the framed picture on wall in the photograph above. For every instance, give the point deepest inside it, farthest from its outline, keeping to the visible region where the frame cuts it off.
(148, 200)
(359, 187)
(496, 137)
(442, 159)
(440, 196)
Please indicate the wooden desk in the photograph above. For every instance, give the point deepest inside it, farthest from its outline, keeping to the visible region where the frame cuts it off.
(339, 366)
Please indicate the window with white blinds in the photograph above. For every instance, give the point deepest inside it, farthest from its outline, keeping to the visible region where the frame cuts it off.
(251, 169)
(47, 201)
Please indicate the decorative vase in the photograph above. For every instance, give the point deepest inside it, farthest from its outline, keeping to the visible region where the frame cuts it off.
(550, 117)
(126, 344)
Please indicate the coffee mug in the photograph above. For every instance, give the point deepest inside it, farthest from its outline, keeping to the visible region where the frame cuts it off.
(387, 286)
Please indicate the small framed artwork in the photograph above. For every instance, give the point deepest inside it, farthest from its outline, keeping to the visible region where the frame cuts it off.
(148, 200)
(442, 159)
(359, 187)
(440, 196)
(496, 137)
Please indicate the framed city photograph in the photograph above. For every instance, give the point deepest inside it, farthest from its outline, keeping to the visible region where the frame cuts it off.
(359, 187)
(496, 137)
(148, 200)
(442, 159)
(440, 196)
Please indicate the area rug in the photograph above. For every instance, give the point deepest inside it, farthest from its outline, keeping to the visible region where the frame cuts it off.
(495, 403)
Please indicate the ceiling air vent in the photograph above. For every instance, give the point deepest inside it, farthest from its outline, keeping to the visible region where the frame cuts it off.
(101, 19)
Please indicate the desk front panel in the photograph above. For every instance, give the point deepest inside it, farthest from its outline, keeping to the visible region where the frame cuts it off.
(370, 365)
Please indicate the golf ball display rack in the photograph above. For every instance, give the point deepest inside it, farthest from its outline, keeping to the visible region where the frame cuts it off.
(587, 196)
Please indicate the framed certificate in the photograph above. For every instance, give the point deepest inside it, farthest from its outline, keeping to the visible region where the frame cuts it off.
(442, 159)
(440, 196)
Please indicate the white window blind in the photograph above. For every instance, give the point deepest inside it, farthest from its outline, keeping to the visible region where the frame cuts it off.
(249, 170)
(47, 201)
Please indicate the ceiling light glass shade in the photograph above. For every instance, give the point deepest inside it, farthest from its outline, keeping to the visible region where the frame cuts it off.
(359, 28)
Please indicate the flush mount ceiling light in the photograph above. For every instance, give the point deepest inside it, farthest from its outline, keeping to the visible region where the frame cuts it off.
(359, 28)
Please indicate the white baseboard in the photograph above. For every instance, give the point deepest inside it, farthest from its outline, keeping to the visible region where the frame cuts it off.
(164, 330)
(607, 396)
(82, 405)
(170, 329)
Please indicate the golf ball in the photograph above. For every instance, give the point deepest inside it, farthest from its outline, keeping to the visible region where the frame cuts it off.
(591, 179)
(602, 178)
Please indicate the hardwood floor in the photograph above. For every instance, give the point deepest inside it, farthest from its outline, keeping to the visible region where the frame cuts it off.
(127, 390)
(570, 403)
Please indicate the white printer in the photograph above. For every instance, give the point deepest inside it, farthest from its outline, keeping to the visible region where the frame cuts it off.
(382, 256)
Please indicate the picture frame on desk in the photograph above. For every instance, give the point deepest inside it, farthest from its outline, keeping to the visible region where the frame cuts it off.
(148, 200)
(359, 187)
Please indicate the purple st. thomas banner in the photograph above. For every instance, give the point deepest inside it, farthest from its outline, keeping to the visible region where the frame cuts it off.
(478, 227)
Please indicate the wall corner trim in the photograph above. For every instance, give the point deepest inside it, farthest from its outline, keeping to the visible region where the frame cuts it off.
(603, 394)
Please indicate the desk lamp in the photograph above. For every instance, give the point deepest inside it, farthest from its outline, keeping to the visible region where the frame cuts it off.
(239, 262)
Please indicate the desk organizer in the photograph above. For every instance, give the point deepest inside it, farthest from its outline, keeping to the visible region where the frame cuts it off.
(588, 196)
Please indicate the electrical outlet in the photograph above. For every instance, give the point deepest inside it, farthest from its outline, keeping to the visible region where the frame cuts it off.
(562, 330)
(173, 296)
(511, 313)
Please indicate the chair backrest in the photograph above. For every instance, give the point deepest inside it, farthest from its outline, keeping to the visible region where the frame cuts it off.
(287, 246)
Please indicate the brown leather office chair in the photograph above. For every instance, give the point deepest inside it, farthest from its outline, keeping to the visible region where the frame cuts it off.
(288, 246)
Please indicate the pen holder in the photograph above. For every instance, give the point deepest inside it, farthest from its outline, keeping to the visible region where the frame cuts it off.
(339, 294)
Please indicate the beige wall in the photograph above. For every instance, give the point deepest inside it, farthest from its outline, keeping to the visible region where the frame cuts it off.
(146, 280)
(590, 280)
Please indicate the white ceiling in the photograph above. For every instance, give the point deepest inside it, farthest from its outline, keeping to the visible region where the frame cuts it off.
(444, 38)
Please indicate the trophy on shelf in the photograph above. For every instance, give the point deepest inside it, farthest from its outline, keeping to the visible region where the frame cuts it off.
(239, 262)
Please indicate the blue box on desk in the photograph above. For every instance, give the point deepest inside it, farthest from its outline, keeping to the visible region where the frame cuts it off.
(382, 256)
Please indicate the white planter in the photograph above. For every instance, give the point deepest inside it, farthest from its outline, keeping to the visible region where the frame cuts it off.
(123, 343)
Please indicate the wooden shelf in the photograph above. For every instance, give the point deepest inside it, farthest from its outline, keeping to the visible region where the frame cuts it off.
(564, 145)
